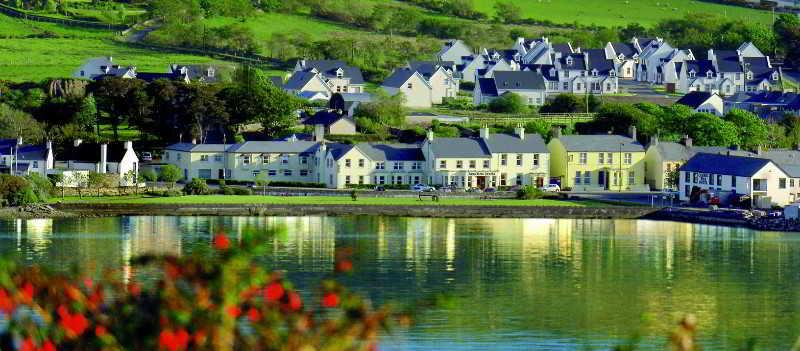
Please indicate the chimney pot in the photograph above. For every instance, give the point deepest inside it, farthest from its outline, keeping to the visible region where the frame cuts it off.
(103, 158)
(430, 135)
(520, 131)
(485, 132)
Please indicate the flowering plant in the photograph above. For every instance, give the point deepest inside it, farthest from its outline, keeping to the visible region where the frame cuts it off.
(214, 299)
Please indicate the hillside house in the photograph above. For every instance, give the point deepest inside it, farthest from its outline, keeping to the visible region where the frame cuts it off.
(453, 51)
(529, 85)
(416, 89)
(337, 75)
(100, 67)
(703, 102)
(439, 76)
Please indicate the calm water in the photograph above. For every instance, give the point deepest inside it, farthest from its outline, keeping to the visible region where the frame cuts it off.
(510, 283)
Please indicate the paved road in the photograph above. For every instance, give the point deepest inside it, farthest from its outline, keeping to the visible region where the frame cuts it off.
(644, 92)
(648, 199)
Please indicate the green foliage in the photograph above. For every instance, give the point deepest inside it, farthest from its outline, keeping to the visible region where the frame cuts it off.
(752, 130)
(14, 123)
(384, 110)
(41, 186)
(253, 98)
(148, 175)
(180, 109)
(539, 126)
(506, 11)
(508, 103)
(16, 191)
(120, 100)
(86, 116)
(170, 174)
(711, 130)
(564, 103)
(787, 31)
(700, 32)
(529, 192)
(196, 186)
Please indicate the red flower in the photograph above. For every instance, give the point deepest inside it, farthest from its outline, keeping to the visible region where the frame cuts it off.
(6, 304)
(75, 324)
(273, 292)
(294, 302)
(330, 300)
(233, 311)
(135, 289)
(171, 341)
(27, 292)
(48, 346)
(221, 242)
(28, 345)
(253, 315)
(87, 282)
(344, 266)
(100, 331)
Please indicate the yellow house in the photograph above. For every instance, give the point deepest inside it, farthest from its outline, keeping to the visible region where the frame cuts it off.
(598, 162)
(205, 161)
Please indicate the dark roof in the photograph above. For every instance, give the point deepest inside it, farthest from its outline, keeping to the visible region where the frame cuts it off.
(545, 70)
(507, 143)
(518, 80)
(325, 118)
(728, 61)
(577, 62)
(625, 49)
(90, 152)
(700, 67)
(483, 148)
(760, 68)
(150, 77)
(694, 99)
(644, 42)
(739, 166)
(328, 69)
(276, 81)
(189, 147)
(459, 147)
(398, 78)
(291, 147)
(32, 152)
(599, 62)
(391, 152)
(197, 72)
(562, 48)
(299, 79)
(601, 142)
(487, 86)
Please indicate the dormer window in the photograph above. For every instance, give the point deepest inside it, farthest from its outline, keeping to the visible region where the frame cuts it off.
(569, 61)
(612, 73)
(691, 74)
(210, 72)
(339, 73)
(594, 73)
(410, 86)
(775, 76)
(709, 74)
(749, 75)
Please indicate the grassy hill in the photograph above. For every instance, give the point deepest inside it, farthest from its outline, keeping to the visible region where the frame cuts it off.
(622, 12)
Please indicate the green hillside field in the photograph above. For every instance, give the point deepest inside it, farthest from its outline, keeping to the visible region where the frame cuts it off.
(622, 12)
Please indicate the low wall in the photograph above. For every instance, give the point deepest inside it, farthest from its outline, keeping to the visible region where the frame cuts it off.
(489, 211)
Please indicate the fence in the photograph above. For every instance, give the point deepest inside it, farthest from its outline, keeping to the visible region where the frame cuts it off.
(13, 12)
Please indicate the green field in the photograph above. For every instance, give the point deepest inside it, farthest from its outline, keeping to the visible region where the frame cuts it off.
(621, 12)
(265, 24)
(323, 200)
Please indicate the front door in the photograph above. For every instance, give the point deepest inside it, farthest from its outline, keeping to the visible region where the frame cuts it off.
(221, 174)
(539, 182)
(481, 182)
(601, 179)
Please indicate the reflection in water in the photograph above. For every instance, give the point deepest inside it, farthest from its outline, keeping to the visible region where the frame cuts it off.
(511, 283)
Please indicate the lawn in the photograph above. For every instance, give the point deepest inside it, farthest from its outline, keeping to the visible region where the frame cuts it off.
(264, 25)
(323, 200)
(622, 12)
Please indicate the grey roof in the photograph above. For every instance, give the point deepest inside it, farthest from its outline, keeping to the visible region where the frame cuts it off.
(783, 156)
(360, 97)
(739, 166)
(398, 78)
(562, 48)
(545, 70)
(598, 61)
(391, 152)
(670, 151)
(700, 67)
(694, 99)
(507, 143)
(760, 68)
(32, 152)
(298, 80)
(338, 150)
(325, 118)
(487, 86)
(425, 68)
(578, 62)
(518, 80)
(459, 147)
(328, 69)
(728, 61)
(197, 72)
(603, 142)
(151, 77)
(625, 49)
(189, 147)
(289, 147)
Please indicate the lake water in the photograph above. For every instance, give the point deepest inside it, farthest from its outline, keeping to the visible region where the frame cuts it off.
(507, 284)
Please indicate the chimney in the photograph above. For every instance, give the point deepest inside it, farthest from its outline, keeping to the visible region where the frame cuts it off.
(654, 140)
(103, 158)
(759, 151)
(128, 145)
(110, 59)
(19, 141)
(319, 132)
(632, 132)
(48, 145)
(77, 142)
(686, 141)
(50, 159)
(194, 141)
(323, 146)
(520, 131)
(430, 135)
(485, 132)
(556, 130)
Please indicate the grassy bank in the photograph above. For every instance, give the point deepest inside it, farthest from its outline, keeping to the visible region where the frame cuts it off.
(324, 200)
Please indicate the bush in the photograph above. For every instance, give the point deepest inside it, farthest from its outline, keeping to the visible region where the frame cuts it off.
(508, 103)
(297, 185)
(196, 187)
(529, 192)
(242, 191)
(165, 193)
(41, 186)
(16, 191)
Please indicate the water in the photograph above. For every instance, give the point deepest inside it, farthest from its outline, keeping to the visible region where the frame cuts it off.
(509, 284)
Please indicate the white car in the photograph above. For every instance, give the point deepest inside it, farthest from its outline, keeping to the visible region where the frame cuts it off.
(551, 188)
(146, 156)
(422, 188)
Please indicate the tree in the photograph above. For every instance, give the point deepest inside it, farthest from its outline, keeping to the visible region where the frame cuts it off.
(58, 181)
(95, 181)
(710, 130)
(170, 174)
(177, 11)
(507, 12)
(121, 100)
(564, 103)
(753, 130)
(196, 186)
(86, 116)
(508, 103)
(253, 98)
(14, 124)
(787, 31)
(384, 110)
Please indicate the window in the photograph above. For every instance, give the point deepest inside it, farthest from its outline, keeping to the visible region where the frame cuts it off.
(577, 177)
(381, 180)
(587, 177)
(361, 179)
(256, 173)
(347, 163)
(486, 164)
(791, 183)
(628, 158)
(287, 172)
(398, 165)
(535, 160)
(245, 159)
(617, 179)
(217, 158)
(360, 163)
(347, 180)
(284, 159)
(691, 74)
(688, 178)
(410, 86)
(304, 173)
(782, 183)
(472, 164)
(719, 179)
(272, 172)
(416, 165)
(459, 164)
(519, 159)
(631, 178)
(398, 180)
(204, 158)
(610, 158)
(503, 179)
(504, 159)
(442, 164)
(179, 157)
(304, 160)
(733, 180)
(601, 159)
(566, 85)
(204, 173)
(582, 158)
(519, 179)
(578, 86)
(35, 164)
(380, 165)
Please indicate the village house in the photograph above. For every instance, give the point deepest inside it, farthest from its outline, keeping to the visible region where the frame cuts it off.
(789, 161)
(625, 57)
(203, 161)
(490, 160)
(332, 122)
(116, 158)
(527, 84)
(100, 67)
(19, 159)
(735, 178)
(366, 163)
(453, 51)
(417, 91)
(313, 79)
(703, 102)
(439, 76)
(772, 105)
(728, 72)
(598, 162)
(197, 73)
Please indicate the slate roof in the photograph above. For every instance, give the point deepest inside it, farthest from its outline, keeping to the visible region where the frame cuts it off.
(783, 156)
(298, 80)
(398, 78)
(728, 61)
(328, 69)
(197, 72)
(507, 143)
(459, 147)
(338, 150)
(563, 48)
(289, 147)
(487, 86)
(391, 152)
(90, 152)
(189, 147)
(790, 101)
(151, 77)
(739, 166)
(518, 80)
(694, 99)
(598, 61)
(577, 62)
(626, 49)
(700, 67)
(671, 151)
(325, 118)
(360, 97)
(602, 142)
(543, 69)
(425, 68)
(483, 148)
(760, 68)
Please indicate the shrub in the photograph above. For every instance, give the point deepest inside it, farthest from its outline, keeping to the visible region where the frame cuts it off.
(16, 191)
(41, 186)
(170, 174)
(297, 185)
(165, 193)
(508, 103)
(196, 187)
(242, 191)
(529, 192)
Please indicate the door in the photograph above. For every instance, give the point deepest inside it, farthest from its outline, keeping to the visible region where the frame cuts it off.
(481, 182)
(539, 182)
(221, 174)
(601, 179)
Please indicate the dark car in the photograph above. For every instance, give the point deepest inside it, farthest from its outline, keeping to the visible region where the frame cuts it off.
(490, 190)
(380, 188)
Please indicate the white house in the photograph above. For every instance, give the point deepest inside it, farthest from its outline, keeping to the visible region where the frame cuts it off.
(439, 76)
(416, 89)
(103, 66)
(529, 85)
(19, 159)
(119, 159)
(625, 57)
(728, 72)
(731, 177)
(453, 51)
(704, 102)
(337, 75)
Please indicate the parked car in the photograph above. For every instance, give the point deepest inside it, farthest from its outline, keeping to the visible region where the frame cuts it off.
(474, 190)
(422, 188)
(490, 190)
(147, 156)
(380, 188)
(551, 188)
